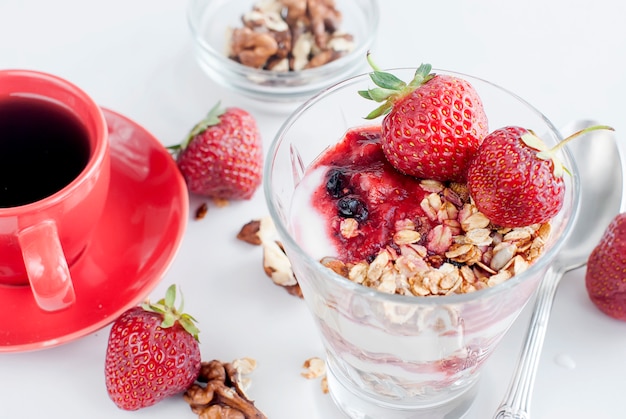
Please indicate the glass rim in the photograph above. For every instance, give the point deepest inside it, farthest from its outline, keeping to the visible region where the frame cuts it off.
(545, 259)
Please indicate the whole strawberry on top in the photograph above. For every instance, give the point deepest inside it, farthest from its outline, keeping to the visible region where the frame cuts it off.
(222, 156)
(605, 278)
(152, 353)
(433, 125)
(515, 180)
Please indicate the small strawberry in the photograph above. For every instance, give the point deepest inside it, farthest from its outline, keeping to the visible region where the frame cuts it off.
(222, 156)
(152, 353)
(432, 126)
(515, 180)
(605, 279)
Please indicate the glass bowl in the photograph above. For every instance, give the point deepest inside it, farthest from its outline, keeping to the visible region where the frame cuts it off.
(211, 20)
(389, 355)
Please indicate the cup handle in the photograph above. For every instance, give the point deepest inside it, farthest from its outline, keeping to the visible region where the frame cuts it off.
(47, 269)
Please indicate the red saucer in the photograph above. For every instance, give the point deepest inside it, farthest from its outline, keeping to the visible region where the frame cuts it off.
(140, 232)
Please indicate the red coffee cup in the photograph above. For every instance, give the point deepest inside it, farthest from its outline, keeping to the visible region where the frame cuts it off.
(54, 179)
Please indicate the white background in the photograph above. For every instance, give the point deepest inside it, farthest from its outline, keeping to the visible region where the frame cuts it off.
(134, 57)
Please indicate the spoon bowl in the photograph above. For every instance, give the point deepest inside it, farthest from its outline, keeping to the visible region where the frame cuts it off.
(601, 182)
(601, 186)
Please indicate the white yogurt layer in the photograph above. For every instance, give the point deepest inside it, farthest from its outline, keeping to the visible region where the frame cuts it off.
(308, 225)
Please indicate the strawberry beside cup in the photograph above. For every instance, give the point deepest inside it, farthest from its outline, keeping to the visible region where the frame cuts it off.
(152, 353)
(222, 156)
(605, 279)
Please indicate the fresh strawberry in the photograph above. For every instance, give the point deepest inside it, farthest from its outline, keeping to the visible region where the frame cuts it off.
(222, 157)
(152, 353)
(515, 180)
(605, 276)
(432, 126)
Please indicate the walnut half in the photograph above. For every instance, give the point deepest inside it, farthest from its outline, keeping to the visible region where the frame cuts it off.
(275, 262)
(217, 394)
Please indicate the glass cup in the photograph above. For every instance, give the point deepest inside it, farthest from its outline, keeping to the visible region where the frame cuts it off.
(394, 356)
(211, 20)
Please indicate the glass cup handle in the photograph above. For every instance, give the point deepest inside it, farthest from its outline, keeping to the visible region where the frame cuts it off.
(47, 269)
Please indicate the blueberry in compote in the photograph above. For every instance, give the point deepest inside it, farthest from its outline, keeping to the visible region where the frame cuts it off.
(359, 183)
(336, 183)
(351, 206)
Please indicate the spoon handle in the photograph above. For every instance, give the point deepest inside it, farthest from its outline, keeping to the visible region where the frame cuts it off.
(516, 402)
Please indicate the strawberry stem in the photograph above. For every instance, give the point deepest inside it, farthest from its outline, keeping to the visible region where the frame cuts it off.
(550, 154)
(561, 144)
(547, 154)
(371, 62)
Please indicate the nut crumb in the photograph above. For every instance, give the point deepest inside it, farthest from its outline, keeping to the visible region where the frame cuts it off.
(221, 202)
(324, 384)
(313, 368)
(201, 211)
(244, 366)
(276, 265)
(249, 233)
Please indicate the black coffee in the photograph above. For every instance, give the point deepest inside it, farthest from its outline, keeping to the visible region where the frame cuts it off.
(43, 147)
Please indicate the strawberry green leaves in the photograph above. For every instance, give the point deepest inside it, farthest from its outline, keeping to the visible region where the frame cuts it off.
(171, 314)
(212, 118)
(391, 88)
(419, 136)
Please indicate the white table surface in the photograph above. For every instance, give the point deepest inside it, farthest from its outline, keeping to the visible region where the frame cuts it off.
(565, 57)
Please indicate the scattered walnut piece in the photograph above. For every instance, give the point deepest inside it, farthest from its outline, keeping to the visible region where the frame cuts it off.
(276, 264)
(217, 392)
(294, 290)
(289, 35)
(325, 20)
(324, 384)
(221, 202)
(252, 48)
(249, 233)
(201, 211)
(313, 368)
(316, 368)
(296, 10)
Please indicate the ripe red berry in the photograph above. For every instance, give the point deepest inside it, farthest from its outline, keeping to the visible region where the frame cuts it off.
(605, 278)
(511, 184)
(222, 157)
(433, 125)
(515, 180)
(152, 353)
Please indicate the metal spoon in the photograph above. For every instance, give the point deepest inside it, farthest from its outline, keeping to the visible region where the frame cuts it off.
(600, 171)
